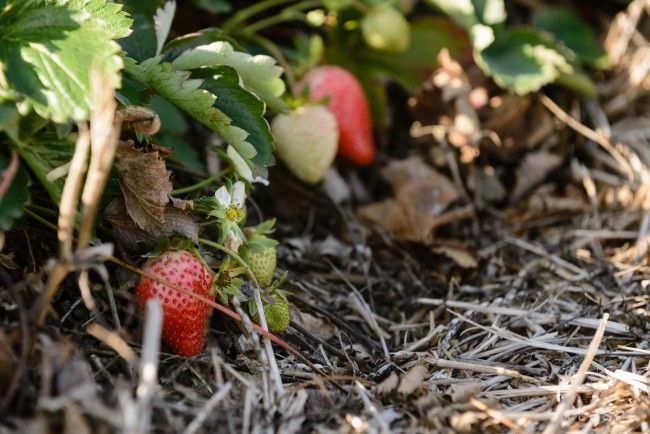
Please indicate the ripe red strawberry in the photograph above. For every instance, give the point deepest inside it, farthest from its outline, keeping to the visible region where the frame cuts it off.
(184, 318)
(350, 107)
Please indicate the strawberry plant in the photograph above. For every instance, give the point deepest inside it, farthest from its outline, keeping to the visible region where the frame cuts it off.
(525, 58)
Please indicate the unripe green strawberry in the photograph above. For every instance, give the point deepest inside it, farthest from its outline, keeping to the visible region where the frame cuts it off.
(262, 262)
(306, 140)
(276, 314)
(385, 29)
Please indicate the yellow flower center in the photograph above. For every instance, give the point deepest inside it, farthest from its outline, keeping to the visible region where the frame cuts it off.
(235, 215)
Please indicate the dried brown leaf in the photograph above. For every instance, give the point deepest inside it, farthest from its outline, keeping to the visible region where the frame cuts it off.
(423, 193)
(413, 379)
(141, 119)
(145, 184)
(458, 254)
(130, 237)
(317, 326)
(533, 170)
(389, 215)
(388, 385)
(487, 185)
(463, 392)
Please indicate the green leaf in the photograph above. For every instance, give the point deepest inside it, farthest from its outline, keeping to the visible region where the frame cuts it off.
(177, 87)
(47, 49)
(572, 31)
(461, 11)
(10, 121)
(15, 197)
(490, 11)
(260, 74)
(522, 61)
(178, 46)
(163, 23)
(141, 44)
(244, 108)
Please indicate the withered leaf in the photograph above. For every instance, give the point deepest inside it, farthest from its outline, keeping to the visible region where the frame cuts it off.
(463, 392)
(389, 215)
(458, 254)
(129, 237)
(533, 170)
(145, 184)
(423, 193)
(487, 185)
(388, 385)
(412, 380)
(141, 119)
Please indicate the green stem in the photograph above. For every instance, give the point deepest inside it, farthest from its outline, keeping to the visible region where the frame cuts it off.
(36, 164)
(244, 14)
(282, 17)
(295, 12)
(208, 223)
(233, 254)
(42, 210)
(200, 184)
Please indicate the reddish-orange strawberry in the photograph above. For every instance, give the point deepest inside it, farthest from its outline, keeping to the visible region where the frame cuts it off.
(349, 105)
(185, 319)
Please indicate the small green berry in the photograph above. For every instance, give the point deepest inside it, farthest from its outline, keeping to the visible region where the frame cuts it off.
(262, 262)
(276, 314)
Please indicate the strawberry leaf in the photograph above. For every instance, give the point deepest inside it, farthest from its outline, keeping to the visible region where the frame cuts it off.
(522, 60)
(188, 94)
(573, 32)
(244, 108)
(163, 23)
(47, 49)
(260, 74)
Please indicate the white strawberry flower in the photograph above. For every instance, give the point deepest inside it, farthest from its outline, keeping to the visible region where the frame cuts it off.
(231, 198)
(242, 168)
(230, 212)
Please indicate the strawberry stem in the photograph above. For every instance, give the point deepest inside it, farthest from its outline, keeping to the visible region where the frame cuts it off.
(233, 254)
(198, 185)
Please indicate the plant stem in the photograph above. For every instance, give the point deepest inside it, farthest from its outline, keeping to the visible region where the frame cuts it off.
(200, 184)
(244, 14)
(234, 254)
(282, 17)
(42, 209)
(35, 163)
(289, 14)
